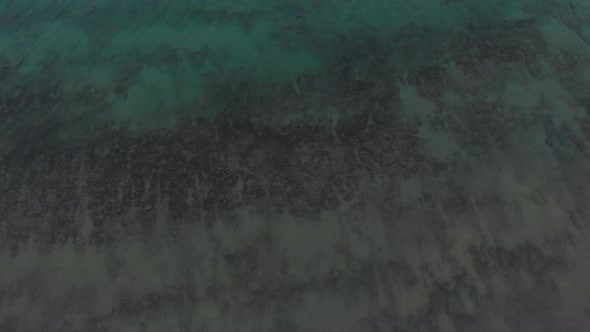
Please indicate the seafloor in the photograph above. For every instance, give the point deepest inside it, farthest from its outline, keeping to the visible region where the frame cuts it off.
(295, 165)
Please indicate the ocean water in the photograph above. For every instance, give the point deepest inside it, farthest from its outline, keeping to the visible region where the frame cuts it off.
(282, 165)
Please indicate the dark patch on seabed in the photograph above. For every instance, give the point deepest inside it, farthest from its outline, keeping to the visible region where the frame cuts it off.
(409, 180)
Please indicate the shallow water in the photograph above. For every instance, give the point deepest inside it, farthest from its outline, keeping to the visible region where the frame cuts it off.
(294, 165)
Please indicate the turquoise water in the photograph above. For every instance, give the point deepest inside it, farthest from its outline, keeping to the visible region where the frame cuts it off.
(283, 165)
(143, 63)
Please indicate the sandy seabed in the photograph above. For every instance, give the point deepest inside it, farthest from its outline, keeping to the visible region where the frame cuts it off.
(294, 166)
